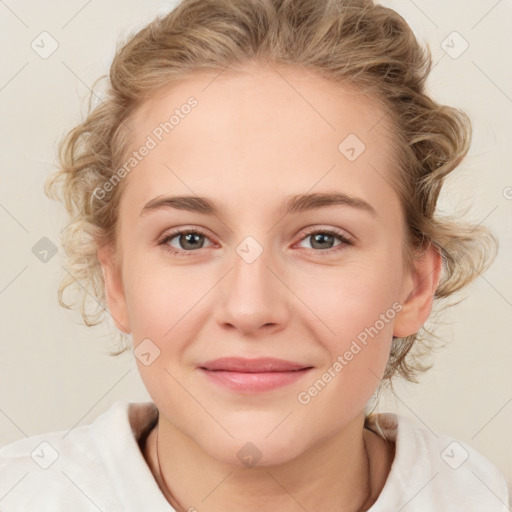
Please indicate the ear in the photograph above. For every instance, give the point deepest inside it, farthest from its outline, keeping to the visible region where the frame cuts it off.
(114, 290)
(420, 285)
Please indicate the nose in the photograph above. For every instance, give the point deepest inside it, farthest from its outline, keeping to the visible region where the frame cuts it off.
(254, 297)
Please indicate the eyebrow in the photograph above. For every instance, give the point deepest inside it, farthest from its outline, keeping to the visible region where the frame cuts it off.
(292, 204)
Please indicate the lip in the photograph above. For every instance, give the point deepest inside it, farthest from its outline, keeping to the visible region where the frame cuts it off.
(259, 365)
(253, 375)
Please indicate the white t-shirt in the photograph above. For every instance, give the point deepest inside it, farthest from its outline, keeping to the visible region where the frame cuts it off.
(100, 467)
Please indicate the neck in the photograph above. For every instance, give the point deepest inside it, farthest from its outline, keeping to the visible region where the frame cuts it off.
(315, 480)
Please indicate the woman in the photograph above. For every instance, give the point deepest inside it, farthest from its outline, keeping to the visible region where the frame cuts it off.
(255, 202)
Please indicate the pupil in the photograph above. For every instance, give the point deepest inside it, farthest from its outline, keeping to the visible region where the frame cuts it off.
(190, 238)
(322, 238)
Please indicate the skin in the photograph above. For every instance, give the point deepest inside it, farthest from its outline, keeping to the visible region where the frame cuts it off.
(257, 135)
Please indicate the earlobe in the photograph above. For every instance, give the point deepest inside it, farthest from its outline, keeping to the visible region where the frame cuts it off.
(419, 293)
(114, 290)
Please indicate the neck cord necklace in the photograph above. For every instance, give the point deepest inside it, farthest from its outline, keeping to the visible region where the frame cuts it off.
(362, 508)
(365, 504)
(166, 490)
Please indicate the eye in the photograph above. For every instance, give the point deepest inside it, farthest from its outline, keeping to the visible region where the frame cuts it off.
(188, 241)
(323, 239)
(184, 241)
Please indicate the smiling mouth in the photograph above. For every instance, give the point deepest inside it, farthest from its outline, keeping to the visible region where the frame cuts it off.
(253, 375)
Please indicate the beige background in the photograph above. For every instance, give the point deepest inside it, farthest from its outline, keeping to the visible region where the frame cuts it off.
(54, 373)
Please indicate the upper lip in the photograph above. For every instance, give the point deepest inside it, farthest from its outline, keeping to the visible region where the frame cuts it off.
(260, 365)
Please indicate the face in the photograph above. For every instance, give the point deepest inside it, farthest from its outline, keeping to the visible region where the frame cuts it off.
(254, 280)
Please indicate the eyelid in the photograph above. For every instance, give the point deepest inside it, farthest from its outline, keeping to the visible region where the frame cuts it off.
(183, 230)
(345, 240)
(326, 229)
(173, 233)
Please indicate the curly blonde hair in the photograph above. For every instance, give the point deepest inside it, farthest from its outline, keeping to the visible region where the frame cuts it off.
(346, 41)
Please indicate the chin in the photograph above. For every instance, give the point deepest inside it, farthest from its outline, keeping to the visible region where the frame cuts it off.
(253, 450)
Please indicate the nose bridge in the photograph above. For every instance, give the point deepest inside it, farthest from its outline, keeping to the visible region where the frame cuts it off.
(250, 267)
(253, 296)
(251, 276)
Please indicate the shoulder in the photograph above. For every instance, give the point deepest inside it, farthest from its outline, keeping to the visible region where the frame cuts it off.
(435, 471)
(55, 470)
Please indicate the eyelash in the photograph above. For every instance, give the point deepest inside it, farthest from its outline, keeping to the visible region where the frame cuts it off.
(197, 231)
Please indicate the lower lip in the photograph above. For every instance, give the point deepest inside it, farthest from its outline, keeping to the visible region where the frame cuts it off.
(254, 382)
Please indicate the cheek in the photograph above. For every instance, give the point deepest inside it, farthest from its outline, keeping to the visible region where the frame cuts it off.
(360, 315)
(161, 297)
(349, 298)
(355, 309)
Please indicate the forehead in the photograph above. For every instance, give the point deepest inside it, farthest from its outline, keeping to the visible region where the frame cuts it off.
(261, 130)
